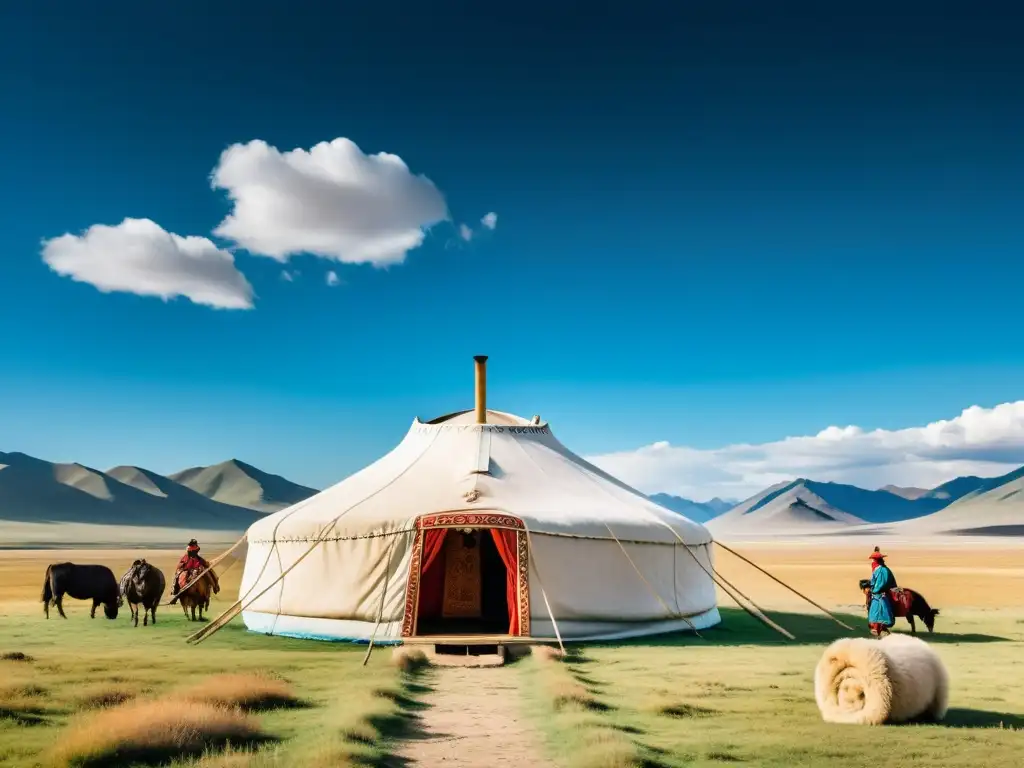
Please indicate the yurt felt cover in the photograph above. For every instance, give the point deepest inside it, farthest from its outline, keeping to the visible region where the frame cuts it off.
(607, 559)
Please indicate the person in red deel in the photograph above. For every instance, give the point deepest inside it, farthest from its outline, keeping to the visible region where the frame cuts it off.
(190, 561)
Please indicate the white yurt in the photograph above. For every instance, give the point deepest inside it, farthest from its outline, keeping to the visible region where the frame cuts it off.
(477, 523)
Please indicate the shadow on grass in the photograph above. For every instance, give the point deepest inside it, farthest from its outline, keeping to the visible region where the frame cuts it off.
(21, 716)
(403, 725)
(164, 755)
(681, 711)
(404, 701)
(740, 628)
(17, 656)
(960, 717)
(632, 730)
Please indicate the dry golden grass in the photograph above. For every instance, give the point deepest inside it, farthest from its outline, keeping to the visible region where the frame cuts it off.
(150, 732)
(22, 704)
(103, 696)
(949, 576)
(16, 656)
(408, 659)
(231, 758)
(352, 730)
(567, 694)
(252, 692)
(546, 653)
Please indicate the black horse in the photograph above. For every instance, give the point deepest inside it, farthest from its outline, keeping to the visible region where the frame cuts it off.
(82, 582)
(143, 584)
(918, 607)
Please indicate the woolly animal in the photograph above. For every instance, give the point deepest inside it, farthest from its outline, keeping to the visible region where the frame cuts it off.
(870, 682)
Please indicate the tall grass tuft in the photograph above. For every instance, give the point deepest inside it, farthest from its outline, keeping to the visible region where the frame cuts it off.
(254, 692)
(150, 733)
(16, 656)
(409, 660)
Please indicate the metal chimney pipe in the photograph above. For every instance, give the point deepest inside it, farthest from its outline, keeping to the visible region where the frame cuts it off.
(481, 388)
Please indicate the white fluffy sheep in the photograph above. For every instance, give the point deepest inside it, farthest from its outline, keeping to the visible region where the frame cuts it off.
(869, 682)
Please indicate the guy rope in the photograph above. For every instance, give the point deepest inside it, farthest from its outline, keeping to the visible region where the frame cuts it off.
(773, 578)
(237, 607)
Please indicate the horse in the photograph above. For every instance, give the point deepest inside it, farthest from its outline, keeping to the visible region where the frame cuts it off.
(143, 584)
(197, 595)
(82, 582)
(906, 603)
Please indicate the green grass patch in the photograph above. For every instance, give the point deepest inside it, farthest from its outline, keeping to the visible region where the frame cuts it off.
(262, 701)
(743, 695)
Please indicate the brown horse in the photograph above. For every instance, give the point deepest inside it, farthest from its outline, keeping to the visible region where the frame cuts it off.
(197, 596)
(906, 606)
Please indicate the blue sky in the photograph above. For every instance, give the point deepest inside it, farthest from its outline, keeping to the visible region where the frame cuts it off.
(717, 224)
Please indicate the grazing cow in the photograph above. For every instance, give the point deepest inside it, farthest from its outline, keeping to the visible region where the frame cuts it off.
(82, 582)
(143, 584)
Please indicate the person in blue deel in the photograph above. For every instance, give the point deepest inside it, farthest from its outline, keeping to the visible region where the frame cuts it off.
(880, 612)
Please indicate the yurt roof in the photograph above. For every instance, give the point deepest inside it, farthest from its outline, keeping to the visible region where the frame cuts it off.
(481, 461)
(493, 417)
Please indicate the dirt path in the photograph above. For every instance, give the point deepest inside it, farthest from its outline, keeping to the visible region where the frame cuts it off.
(474, 719)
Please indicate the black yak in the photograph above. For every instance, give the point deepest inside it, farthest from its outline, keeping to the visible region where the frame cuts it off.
(82, 582)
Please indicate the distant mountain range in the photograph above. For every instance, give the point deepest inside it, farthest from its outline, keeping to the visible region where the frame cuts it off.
(242, 485)
(699, 511)
(965, 505)
(225, 497)
(231, 495)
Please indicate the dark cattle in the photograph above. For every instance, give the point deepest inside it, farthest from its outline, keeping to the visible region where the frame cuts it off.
(82, 582)
(144, 585)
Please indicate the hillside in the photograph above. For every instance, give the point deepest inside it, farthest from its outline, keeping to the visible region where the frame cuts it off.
(810, 506)
(964, 505)
(790, 507)
(697, 511)
(907, 493)
(994, 507)
(959, 488)
(36, 491)
(181, 496)
(243, 485)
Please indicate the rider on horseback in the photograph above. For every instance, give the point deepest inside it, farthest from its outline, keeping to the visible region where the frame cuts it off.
(190, 561)
(880, 613)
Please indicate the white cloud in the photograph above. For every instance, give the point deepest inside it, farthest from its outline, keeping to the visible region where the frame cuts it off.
(490, 220)
(332, 201)
(465, 232)
(138, 256)
(980, 441)
(332, 278)
(287, 276)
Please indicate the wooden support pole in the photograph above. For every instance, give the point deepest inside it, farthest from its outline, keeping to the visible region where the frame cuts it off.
(773, 578)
